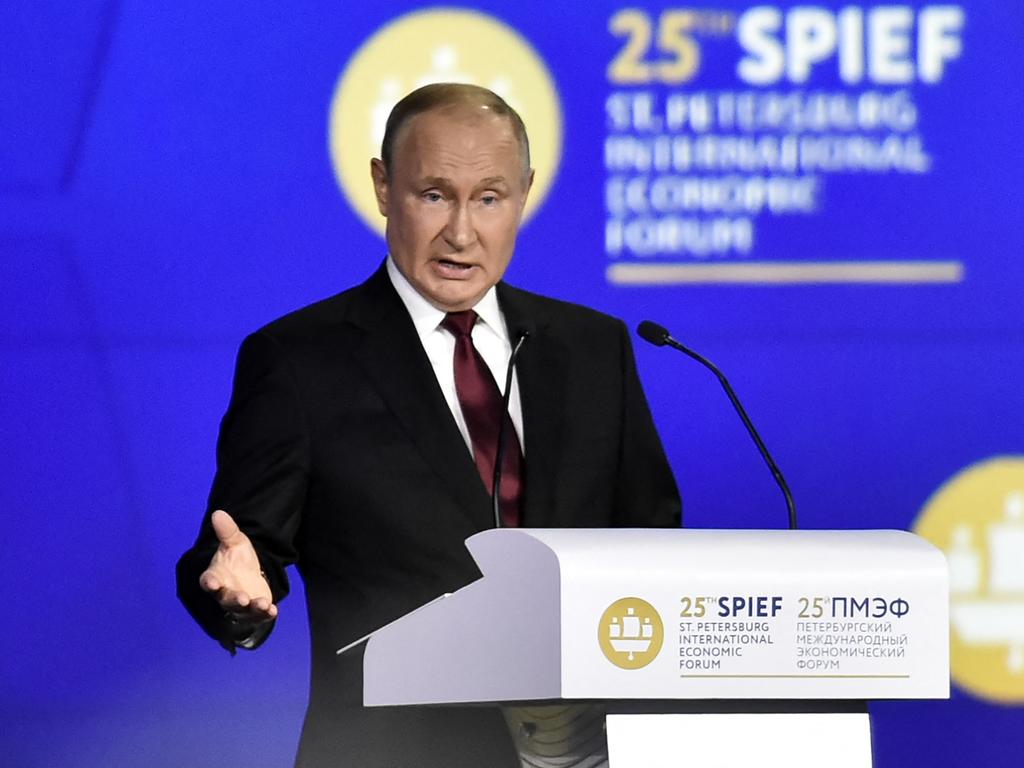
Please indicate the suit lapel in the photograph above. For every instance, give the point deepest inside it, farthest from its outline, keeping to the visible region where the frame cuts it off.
(395, 362)
(541, 372)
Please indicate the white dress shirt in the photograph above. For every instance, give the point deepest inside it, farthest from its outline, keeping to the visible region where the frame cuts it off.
(490, 337)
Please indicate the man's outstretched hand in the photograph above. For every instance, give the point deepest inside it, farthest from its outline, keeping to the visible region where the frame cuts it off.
(234, 578)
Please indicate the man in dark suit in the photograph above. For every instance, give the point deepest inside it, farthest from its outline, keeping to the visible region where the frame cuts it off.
(352, 448)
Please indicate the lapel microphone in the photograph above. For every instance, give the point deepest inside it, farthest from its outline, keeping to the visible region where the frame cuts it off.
(660, 337)
(499, 456)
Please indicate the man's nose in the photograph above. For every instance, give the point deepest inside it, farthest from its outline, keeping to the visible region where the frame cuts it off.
(459, 231)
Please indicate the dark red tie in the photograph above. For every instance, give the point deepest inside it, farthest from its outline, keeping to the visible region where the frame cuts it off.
(481, 404)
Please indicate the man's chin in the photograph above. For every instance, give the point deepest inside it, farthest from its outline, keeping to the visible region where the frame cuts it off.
(455, 295)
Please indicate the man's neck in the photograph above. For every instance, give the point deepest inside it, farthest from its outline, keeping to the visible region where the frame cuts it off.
(426, 317)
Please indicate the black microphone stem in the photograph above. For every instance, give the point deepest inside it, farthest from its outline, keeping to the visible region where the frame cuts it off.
(657, 335)
(499, 457)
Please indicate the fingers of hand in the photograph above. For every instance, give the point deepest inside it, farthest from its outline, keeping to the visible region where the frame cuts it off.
(261, 604)
(234, 578)
(220, 574)
(223, 587)
(211, 580)
(233, 598)
(229, 599)
(226, 529)
(235, 563)
(243, 611)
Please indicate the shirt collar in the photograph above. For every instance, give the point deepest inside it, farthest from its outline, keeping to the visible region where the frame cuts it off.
(427, 318)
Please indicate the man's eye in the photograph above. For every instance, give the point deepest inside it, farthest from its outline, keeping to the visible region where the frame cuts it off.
(432, 197)
(489, 199)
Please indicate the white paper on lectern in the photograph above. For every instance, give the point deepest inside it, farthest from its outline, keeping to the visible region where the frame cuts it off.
(529, 629)
(773, 740)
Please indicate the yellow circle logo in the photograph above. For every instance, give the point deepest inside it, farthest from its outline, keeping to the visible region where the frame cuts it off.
(630, 633)
(977, 519)
(435, 46)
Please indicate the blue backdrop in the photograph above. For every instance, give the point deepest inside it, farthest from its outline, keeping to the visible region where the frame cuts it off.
(166, 186)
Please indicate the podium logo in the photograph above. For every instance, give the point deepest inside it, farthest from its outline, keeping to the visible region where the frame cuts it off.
(977, 518)
(441, 45)
(630, 633)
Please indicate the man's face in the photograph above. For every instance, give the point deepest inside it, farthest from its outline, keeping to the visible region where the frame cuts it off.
(453, 201)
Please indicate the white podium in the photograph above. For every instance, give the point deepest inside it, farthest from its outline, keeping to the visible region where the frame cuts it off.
(685, 647)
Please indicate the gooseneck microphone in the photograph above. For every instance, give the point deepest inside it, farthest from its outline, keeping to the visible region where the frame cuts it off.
(660, 337)
(499, 455)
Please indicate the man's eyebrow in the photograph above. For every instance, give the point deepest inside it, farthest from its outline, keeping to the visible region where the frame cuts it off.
(436, 181)
(492, 181)
(445, 183)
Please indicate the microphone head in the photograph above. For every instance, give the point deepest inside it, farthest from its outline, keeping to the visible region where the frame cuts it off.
(656, 334)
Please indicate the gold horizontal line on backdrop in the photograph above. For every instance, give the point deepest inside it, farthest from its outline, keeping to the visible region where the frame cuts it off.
(788, 272)
(797, 677)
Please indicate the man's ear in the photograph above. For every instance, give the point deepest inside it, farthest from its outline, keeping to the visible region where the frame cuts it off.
(526, 190)
(379, 174)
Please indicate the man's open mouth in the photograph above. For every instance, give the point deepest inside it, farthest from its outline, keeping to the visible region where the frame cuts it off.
(447, 264)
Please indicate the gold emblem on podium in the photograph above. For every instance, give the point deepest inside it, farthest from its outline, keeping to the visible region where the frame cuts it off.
(630, 633)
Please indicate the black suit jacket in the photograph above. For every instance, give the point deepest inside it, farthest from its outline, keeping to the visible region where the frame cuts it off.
(339, 453)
